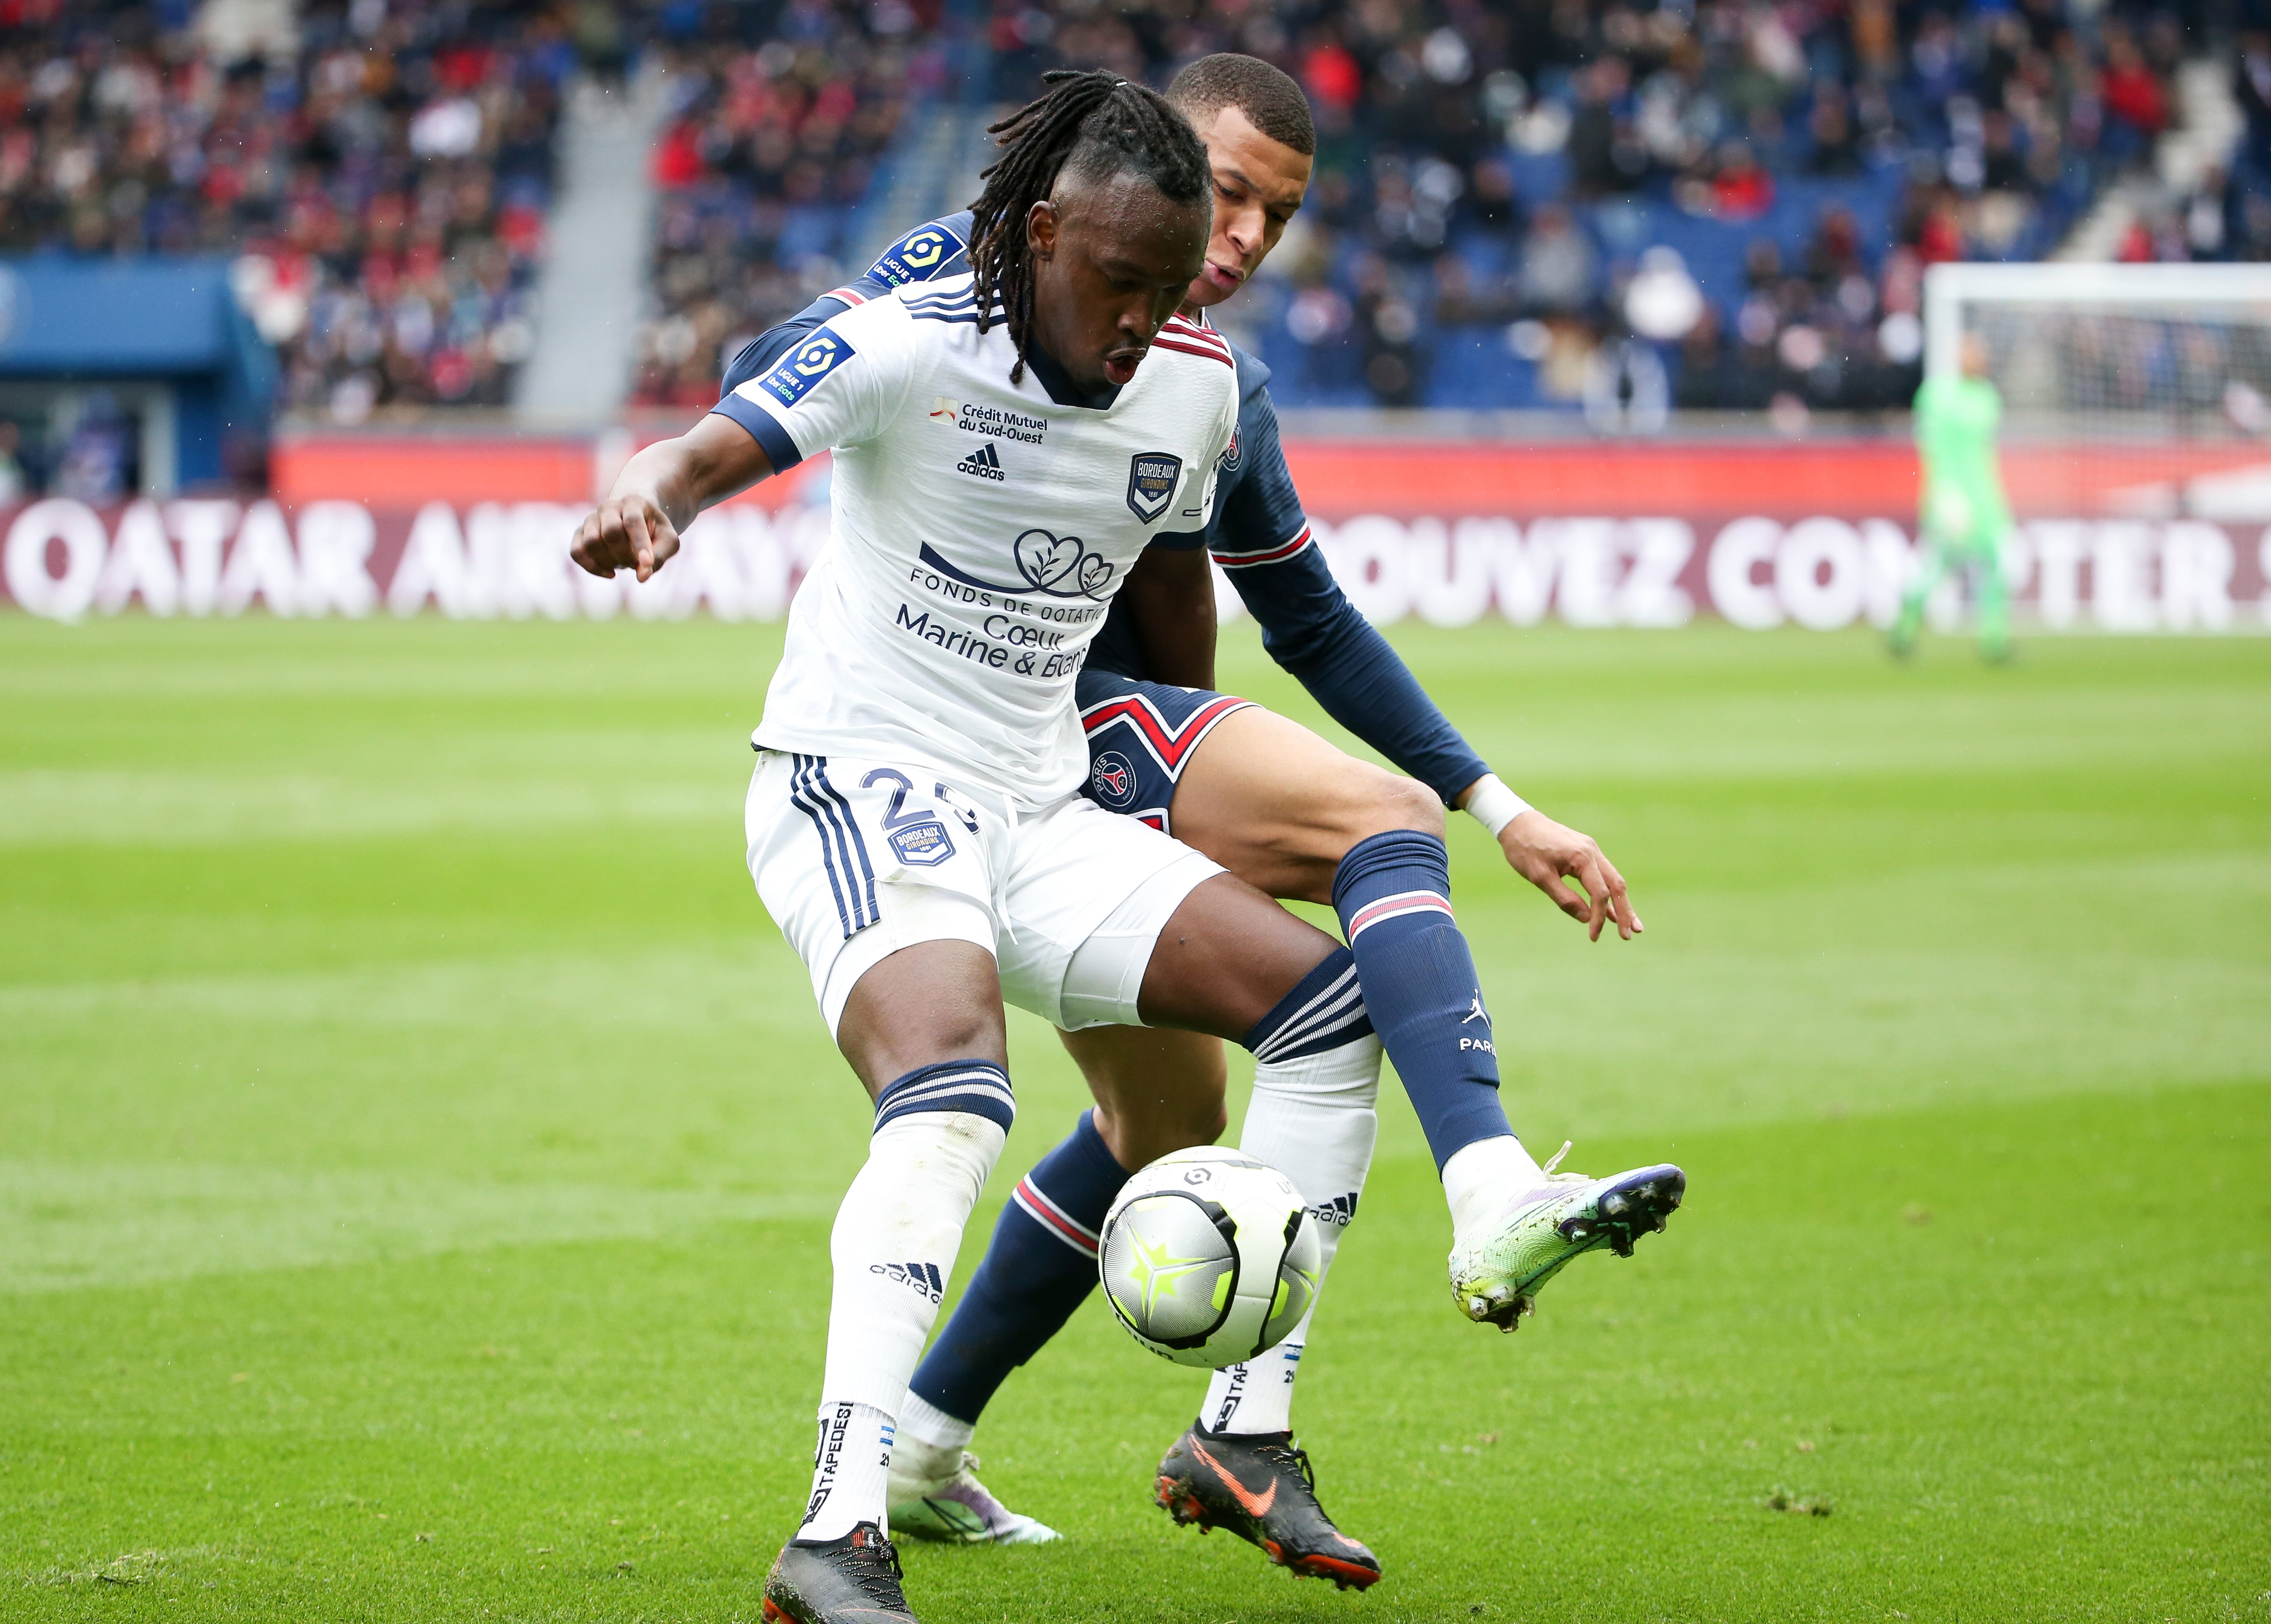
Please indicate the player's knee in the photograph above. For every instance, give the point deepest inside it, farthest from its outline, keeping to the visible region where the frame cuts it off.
(1384, 803)
(880, 1057)
(1368, 802)
(1202, 1125)
(1201, 1128)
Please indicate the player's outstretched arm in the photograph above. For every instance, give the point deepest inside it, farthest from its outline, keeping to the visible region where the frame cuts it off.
(1312, 631)
(660, 491)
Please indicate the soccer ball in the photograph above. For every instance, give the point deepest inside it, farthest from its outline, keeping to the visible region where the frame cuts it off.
(1208, 1256)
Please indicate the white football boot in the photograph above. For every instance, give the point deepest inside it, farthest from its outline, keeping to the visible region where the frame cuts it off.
(1505, 1246)
(936, 1495)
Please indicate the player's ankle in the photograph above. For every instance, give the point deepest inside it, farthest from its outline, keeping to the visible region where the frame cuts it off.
(923, 1422)
(1486, 1171)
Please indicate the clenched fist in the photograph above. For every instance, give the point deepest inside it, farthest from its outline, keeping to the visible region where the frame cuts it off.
(625, 533)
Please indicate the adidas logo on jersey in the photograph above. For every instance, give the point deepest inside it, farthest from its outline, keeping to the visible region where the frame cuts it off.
(985, 462)
(925, 1277)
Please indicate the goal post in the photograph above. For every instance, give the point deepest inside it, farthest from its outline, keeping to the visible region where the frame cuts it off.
(2129, 392)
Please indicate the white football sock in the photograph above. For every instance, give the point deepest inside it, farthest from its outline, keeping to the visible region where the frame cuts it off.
(1488, 1170)
(893, 1247)
(850, 1466)
(1312, 1120)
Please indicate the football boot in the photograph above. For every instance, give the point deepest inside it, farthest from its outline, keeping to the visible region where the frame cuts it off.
(855, 1580)
(1513, 1247)
(936, 1495)
(1262, 1489)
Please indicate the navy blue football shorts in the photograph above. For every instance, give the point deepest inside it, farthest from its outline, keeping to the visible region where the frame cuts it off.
(1141, 735)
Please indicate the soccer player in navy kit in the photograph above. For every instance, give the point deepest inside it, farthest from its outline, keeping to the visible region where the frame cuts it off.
(1296, 818)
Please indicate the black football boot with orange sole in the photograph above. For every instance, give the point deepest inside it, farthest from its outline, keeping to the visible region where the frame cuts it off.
(855, 1580)
(1262, 1489)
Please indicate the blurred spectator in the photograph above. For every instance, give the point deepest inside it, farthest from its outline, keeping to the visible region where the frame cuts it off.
(1742, 188)
(2251, 89)
(1557, 263)
(1606, 153)
(96, 463)
(1836, 144)
(1389, 326)
(1662, 302)
(2133, 93)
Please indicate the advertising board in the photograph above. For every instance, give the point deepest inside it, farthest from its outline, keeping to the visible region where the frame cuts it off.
(1756, 533)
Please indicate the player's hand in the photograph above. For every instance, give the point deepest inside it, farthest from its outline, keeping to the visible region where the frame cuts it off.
(625, 533)
(1551, 856)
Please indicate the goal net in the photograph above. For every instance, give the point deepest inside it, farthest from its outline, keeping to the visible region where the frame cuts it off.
(2122, 385)
(2136, 439)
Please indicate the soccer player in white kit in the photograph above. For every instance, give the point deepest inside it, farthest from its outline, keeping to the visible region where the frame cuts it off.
(913, 823)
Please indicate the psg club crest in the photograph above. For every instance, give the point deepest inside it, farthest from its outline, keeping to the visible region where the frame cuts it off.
(1113, 777)
(1151, 477)
(923, 845)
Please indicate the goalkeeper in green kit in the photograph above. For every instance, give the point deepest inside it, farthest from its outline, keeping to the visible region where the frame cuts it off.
(1963, 519)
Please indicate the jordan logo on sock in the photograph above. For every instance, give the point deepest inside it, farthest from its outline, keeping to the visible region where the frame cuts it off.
(1477, 1013)
(925, 1277)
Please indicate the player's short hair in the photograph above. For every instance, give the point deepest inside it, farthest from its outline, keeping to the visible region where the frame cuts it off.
(1272, 101)
(1098, 125)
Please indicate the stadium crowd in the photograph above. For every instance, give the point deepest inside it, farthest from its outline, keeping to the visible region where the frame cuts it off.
(1630, 207)
(1712, 204)
(379, 170)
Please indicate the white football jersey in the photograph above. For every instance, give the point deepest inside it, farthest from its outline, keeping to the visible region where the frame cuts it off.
(978, 530)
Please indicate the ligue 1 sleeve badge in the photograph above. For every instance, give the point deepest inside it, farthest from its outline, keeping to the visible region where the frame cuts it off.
(1151, 477)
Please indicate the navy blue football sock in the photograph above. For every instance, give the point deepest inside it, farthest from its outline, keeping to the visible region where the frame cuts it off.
(1393, 893)
(1039, 1266)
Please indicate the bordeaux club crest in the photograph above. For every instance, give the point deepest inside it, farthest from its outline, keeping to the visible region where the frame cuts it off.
(923, 844)
(1151, 477)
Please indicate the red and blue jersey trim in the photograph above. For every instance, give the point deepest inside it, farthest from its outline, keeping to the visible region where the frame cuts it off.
(1292, 548)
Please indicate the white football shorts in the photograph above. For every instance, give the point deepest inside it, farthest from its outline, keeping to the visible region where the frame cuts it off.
(857, 859)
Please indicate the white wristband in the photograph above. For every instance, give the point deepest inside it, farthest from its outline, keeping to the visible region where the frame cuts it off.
(1494, 805)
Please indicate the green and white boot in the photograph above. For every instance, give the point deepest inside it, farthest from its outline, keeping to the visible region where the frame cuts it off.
(936, 1495)
(1505, 1247)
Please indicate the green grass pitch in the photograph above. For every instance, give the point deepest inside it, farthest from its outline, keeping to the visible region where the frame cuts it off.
(417, 1149)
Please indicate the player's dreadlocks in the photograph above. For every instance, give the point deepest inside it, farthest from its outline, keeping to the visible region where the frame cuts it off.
(1102, 125)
